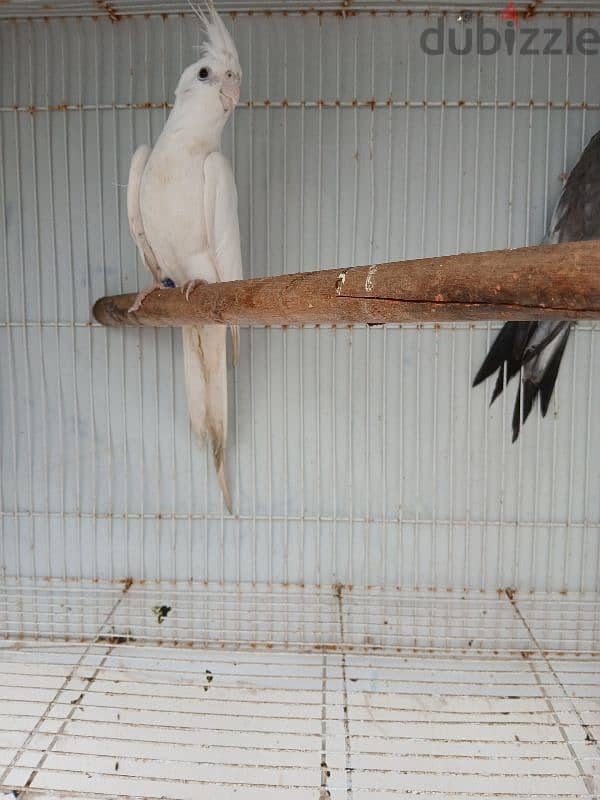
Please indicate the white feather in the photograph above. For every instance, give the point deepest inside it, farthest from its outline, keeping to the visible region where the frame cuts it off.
(218, 43)
(134, 214)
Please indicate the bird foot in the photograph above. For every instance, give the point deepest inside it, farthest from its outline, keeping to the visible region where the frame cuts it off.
(190, 286)
(143, 295)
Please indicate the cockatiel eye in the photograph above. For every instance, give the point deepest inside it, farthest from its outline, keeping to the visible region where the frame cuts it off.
(229, 75)
(203, 73)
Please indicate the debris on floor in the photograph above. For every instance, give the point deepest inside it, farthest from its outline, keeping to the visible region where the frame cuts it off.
(161, 613)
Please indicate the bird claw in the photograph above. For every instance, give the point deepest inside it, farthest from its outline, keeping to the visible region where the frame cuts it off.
(190, 286)
(143, 295)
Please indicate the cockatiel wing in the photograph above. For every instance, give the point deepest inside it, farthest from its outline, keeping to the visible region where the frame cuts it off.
(577, 214)
(134, 212)
(221, 210)
(220, 202)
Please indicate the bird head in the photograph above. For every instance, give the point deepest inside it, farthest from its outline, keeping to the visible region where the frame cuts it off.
(212, 83)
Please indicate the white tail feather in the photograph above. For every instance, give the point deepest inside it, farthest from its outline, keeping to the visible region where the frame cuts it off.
(205, 364)
(235, 342)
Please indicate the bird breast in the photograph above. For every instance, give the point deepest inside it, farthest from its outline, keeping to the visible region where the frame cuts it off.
(172, 208)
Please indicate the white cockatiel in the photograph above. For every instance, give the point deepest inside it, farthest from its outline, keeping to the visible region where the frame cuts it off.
(182, 208)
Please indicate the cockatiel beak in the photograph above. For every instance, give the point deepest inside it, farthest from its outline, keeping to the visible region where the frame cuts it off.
(230, 93)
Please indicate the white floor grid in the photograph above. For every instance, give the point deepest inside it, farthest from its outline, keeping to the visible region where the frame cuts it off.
(294, 693)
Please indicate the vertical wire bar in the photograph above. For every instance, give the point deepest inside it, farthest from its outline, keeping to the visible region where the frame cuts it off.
(508, 243)
(567, 550)
(159, 525)
(171, 377)
(569, 531)
(208, 467)
(188, 439)
(90, 338)
(334, 545)
(450, 547)
(515, 576)
(586, 482)
(533, 583)
(3, 451)
(468, 559)
(43, 382)
(105, 332)
(121, 336)
(222, 509)
(407, 107)
(416, 537)
(351, 576)
(368, 528)
(318, 336)
(419, 331)
(595, 584)
(434, 471)
(486, 416)
(140, 333)
(555, 425)
(286, 499)
(501, 521)
(551, 520)
(474, 244)
(302, 554)
(390, 165)
(451, 504)
(590, 388)
(251, 214)
(468, 584)
(77, 445)
(86, 250)
(269, 332)
(26, 335)
(236, 398)
(26, 365)
(434, 436)
(11, 366)
(117, 209)
(552, 533)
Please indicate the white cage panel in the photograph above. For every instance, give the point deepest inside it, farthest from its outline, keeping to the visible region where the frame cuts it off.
(310, 693)
(355, 456)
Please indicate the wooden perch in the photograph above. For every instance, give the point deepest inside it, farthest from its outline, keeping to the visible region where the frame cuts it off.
(533, 283)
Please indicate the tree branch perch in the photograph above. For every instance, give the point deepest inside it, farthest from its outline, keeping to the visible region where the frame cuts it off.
(532, 283)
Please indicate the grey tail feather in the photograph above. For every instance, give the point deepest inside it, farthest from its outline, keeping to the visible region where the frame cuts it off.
(529, 392)
(511, 351)
(544, 387)
(550, 375)
(507, 349)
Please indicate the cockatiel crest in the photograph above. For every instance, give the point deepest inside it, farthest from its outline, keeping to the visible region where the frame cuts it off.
(219, 47)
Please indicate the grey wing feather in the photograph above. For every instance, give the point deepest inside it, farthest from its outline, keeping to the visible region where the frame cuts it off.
(537, 348)
(577, 214)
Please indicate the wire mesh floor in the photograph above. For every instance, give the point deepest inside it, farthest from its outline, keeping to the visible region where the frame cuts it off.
(172, 691)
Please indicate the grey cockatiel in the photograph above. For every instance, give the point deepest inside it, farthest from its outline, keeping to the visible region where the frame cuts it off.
(537, 348)
(182, 208)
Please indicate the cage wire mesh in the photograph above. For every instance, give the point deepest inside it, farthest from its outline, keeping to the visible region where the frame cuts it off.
(403, 603)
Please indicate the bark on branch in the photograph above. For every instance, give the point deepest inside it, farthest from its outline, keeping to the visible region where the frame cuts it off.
(533, 283)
